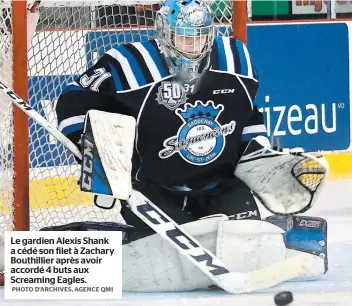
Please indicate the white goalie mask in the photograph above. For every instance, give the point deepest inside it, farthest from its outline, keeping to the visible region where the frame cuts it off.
(185, 31)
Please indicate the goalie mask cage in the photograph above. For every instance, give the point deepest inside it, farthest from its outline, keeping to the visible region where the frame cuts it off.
(38, 176)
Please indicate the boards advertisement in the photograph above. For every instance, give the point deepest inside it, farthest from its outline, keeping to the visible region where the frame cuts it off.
(302, 7)
(304, 80)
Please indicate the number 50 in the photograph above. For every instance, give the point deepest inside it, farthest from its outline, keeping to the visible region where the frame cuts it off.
(171, 91)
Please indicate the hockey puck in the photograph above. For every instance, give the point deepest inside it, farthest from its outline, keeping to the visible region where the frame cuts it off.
(283, 298)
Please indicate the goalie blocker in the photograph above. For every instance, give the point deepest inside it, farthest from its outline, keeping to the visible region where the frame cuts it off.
(107, 148)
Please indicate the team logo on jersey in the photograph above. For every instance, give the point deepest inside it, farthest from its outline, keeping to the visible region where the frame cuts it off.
(201, 138)
(171, 95)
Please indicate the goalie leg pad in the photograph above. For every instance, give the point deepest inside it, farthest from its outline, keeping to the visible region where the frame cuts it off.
(248, 246)
(258, 244)
(164, 268)
(243, 245)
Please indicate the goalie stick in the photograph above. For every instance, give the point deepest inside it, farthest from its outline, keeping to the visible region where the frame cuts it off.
(162, 224)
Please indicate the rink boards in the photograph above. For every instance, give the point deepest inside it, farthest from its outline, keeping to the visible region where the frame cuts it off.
(304, 93)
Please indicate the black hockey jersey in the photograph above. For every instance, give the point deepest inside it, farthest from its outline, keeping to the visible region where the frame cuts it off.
(185, 140)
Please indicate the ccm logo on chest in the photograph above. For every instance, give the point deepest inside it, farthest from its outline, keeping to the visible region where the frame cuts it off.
(223, 91)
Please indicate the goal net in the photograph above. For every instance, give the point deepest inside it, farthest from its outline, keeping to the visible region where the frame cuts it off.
(38, 176)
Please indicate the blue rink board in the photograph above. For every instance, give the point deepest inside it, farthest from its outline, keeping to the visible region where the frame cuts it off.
(300, 65)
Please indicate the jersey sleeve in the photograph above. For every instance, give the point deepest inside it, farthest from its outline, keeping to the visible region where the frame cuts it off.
(93, 89)
(231, 55)
(244, 69)
(122, 69)
(255, 126)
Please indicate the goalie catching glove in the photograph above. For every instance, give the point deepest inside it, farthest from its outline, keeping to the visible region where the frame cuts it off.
(287, 182)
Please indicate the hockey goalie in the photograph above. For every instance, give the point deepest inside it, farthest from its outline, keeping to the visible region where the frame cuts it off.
(174, 119)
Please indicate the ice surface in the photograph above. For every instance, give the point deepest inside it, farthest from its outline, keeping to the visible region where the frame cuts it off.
(335, 288)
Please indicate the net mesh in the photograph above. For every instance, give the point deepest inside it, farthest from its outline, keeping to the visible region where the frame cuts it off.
(62, 43)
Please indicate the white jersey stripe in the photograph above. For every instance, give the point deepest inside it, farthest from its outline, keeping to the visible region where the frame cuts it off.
(131, 79)
(73, 84)
(148, 60)
(248, 61)
(71, 121)
(229, 55)
(259, 128)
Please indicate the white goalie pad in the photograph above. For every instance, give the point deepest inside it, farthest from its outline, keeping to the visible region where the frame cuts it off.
(285, 182)
(244, 246)
(164, 268)
(108, 143)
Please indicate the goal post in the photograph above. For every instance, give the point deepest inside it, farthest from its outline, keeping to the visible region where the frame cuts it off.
(239, 20)
(38, 175)
(20, 121)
